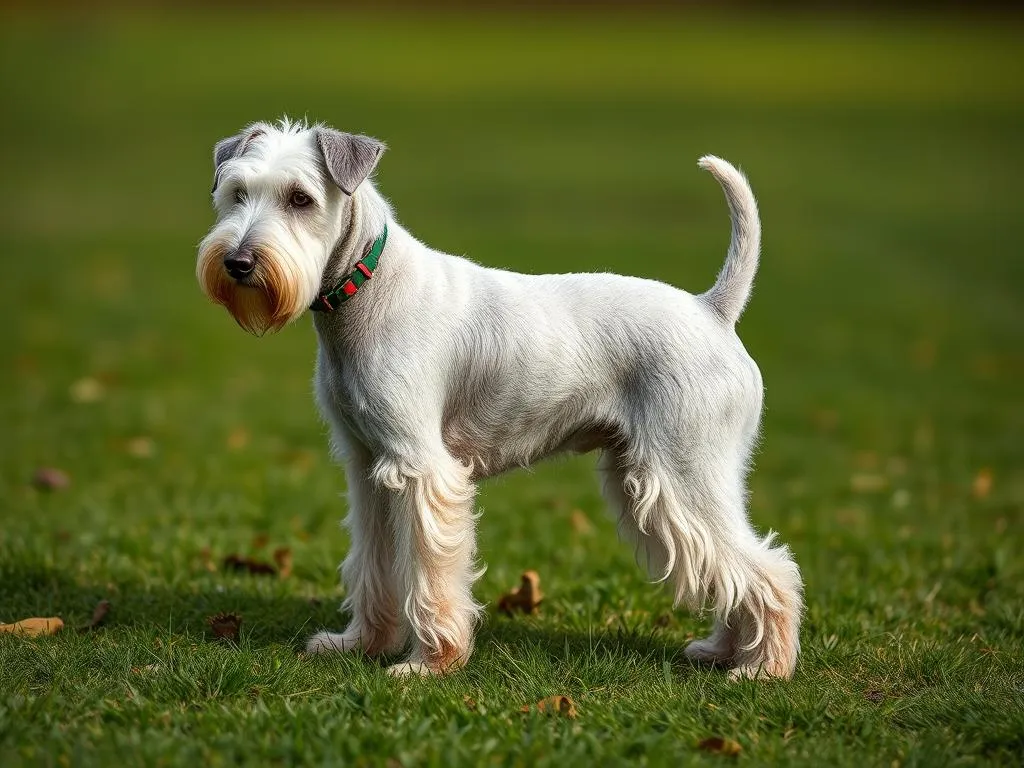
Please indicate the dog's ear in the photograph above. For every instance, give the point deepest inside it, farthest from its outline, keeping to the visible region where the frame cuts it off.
(233, 146)
(349, 158)
(223, 151)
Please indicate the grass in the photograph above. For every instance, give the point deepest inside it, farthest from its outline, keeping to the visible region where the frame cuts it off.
(888, 321)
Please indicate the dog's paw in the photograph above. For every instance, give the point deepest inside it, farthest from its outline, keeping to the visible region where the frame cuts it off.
(711, 650)
(411, 669)
(767, 671)
(332, 642)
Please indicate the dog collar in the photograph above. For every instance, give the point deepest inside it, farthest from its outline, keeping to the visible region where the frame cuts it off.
(351, 283)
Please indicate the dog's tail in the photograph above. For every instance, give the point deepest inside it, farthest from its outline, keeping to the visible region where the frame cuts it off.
(731, 290)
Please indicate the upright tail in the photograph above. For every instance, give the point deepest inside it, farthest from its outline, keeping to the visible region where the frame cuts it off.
(731, 290)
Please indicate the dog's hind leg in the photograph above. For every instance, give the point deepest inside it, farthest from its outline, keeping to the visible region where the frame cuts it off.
(368, 569)
(434, 528)
(691, 527)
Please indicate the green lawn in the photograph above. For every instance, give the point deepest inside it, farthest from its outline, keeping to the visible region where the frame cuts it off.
(888, 321)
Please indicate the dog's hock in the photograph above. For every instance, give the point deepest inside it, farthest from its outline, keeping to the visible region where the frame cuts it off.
(349, 158)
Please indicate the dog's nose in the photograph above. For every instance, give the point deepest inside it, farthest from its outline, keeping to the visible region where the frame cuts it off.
(240, 263)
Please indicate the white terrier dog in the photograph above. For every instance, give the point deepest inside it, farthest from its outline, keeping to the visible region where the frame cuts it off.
(438, 372)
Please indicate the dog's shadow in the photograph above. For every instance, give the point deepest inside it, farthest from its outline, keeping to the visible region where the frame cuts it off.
(272, 617)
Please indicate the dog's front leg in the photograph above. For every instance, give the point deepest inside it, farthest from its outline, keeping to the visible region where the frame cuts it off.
(435, 547)
(368, 572)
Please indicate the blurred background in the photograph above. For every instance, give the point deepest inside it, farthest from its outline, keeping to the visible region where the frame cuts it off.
(888, 318)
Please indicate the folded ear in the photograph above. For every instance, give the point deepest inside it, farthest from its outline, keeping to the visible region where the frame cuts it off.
(223, 151)
(349, 158)
(233, 146)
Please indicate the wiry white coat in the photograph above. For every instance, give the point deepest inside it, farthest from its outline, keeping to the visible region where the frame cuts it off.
(440, 372)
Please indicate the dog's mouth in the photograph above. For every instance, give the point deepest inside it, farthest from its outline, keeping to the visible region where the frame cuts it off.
(242, 279)
(261, 298)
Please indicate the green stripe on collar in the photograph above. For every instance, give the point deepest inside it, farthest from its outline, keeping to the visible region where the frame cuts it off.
(350, 283)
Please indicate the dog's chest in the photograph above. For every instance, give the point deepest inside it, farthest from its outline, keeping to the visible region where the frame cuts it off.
(335, 396)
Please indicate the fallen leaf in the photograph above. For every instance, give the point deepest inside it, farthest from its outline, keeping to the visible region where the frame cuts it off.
(225, 625)
(149, 669)
(206, 557)
(283, 558)
(86, 390)
(34, 627)
(982, 485)
(239, 563)
(50, 479)
(260, 540)
(469, 702)
(554, 705)
(581, 523)
(99, 615)
(526, 597)
(139, 447)
(720, 746)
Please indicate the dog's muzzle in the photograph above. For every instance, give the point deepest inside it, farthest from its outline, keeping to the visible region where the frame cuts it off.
(240, 263)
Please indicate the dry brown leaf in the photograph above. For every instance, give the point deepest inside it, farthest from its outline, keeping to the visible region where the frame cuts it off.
(225, 625)
(581, 523)
(34, 627)
(283, 558)
(239, 563)
(206, 557)
(469, 702)
(526, 597)
(99, 615)
(982, 485)
(720, 746)
(554, 705)
(50, 479)
(260, 540)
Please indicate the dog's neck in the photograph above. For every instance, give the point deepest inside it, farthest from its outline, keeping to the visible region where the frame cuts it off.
(366, 215)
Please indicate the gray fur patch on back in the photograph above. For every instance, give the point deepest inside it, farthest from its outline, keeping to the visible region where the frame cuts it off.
(349, 158)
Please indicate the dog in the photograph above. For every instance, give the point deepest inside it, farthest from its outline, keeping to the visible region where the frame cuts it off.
(434, 372)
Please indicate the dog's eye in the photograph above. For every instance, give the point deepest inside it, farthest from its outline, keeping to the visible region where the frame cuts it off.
(299, 199)
(240, 196)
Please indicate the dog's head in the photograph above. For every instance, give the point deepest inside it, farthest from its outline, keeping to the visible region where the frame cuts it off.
(283, 197)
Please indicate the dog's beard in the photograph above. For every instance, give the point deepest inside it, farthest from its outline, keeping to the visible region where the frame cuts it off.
(267, 301)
